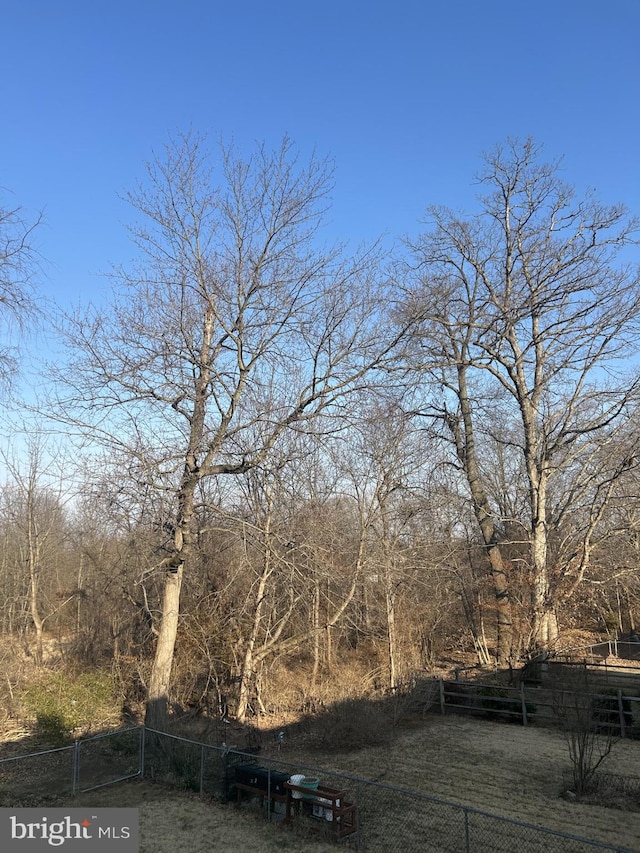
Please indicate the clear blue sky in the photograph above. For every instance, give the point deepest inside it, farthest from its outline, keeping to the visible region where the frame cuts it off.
(404, 94)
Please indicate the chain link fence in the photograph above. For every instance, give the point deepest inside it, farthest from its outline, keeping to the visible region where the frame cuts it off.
(390, 819)
(396, 820)
(83, 766)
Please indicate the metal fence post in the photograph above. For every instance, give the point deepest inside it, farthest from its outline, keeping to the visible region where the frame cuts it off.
(442, 702)
(202, 760)
(623, 725)
(269, 793)
(75, 767)
(358, 804)
(524, 704)
(467, 848)
(143, 730)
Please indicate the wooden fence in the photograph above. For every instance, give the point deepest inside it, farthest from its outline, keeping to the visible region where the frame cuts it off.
(611, 711)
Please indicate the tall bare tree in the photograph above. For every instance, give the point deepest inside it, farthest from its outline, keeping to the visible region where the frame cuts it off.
(32, 505)
(296, 596)
(389, 460)
(235, 326)
(528, 307)
(18, 258)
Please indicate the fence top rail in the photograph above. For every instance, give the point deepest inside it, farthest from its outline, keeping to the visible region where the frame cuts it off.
(417, 795)
(559, 660)
(222, 747)
(450, 689)
(40, 752)
(71, 745)
(112, 733)
(482, 685)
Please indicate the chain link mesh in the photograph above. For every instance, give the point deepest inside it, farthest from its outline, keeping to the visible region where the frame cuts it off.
(25, 778)
(389, 819)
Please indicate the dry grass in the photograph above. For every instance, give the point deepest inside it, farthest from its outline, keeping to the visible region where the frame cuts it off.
(172, 822)
(507, 770)
(512, 771)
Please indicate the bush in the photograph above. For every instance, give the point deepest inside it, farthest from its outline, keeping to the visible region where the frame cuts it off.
(173, 762)
(352, 724)
(589, 745)
(413, 701)
(62, 706)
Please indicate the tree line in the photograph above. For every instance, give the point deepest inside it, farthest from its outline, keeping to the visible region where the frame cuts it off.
(287, 454)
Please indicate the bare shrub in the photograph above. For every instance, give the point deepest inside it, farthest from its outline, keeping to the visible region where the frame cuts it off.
(588, 743)
(413, 700)
(352, 724)
(290, 689)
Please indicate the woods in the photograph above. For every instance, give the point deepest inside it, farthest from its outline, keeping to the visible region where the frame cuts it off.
(286, 461)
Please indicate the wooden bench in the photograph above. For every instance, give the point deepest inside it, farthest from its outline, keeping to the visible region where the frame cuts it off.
(336, 811)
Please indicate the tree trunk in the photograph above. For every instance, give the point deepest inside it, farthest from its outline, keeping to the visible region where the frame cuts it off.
(160, 681)
(545, 623)
(33, 545)
(392, 641)
(317, 632)
(389, 592)
(247, 675)
(466, 450)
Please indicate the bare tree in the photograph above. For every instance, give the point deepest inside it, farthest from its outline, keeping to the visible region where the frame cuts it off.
(528, 307)
(387, 456)
(33, 510)
(18, 258)
(234, 327)
(271, 568)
